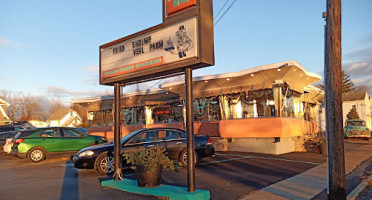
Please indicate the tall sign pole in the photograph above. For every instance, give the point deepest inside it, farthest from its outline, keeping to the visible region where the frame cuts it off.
(117, 135)
(189, 131)
(183, 42)
(333, 96)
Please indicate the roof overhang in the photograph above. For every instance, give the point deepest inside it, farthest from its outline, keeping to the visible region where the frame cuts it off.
(4, 103)
(136, 98)
(261, 77)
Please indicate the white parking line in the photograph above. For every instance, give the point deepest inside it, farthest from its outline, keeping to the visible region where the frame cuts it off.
(245, 157)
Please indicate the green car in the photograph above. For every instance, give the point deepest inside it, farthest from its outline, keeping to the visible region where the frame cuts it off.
(356, 128)
(36, 144)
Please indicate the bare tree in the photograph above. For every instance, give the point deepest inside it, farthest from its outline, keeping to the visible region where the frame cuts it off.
(23, 107)
(56, 105)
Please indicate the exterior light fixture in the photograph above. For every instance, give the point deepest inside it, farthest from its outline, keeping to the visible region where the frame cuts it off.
(278, 70)
(170, 88)
(252, 74)
(228, 79)
(295, 70)
(167, 93)
(205, 81)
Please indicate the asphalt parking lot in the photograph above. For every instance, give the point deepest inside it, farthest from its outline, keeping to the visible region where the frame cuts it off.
(229, 175)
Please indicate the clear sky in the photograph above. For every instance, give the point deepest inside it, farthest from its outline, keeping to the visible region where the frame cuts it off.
(50, 48)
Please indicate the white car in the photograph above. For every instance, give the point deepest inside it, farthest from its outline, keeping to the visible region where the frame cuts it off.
(7, 148)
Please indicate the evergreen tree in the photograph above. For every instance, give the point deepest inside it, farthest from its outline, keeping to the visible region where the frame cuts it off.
(346, 85)
(353, 114)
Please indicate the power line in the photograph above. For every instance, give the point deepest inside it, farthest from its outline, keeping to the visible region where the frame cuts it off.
(221, 9)
(215, 24)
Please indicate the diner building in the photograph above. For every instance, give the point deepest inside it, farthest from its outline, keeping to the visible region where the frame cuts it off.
(266, 109)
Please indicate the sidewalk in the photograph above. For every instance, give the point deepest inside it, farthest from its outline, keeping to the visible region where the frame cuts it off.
(312, 182)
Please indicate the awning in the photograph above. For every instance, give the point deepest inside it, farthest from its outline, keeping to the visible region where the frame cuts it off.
(133, 99)
(262, 77)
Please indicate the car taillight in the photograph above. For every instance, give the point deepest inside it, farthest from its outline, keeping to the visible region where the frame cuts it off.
(18, 141)
(209, 140)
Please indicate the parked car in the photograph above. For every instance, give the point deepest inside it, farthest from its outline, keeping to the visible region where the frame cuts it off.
(10, 128)
(10, 141)
(4, 136)
(101, 157)
(37, 144)
(356, 128)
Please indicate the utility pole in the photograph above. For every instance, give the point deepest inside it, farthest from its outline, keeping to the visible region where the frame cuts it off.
(336, 188)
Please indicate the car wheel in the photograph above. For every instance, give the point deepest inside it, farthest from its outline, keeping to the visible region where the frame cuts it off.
(183, 158)
(36, 154)
(105, 164)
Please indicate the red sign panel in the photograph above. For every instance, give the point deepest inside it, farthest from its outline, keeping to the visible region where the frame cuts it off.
(133, 67)
(174, 6)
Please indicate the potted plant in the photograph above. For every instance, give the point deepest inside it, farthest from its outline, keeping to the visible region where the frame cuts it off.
(149, 165)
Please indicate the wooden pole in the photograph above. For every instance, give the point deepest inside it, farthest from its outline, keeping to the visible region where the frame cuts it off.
(189, 131)
(117, 135)
(333, 96)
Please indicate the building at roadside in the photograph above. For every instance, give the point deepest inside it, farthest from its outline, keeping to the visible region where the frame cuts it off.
(362, 104)
(38, 123)
(266, 109)
(64, 117)
(4, 119)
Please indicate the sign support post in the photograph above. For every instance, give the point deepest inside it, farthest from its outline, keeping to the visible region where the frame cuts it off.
(333, 96)
(189, 131)
(183, 42)
(117, 134)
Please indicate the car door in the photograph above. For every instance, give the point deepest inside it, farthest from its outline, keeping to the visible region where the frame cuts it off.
(172, 141)
(75, 140)
(141, 141)
(50, 139)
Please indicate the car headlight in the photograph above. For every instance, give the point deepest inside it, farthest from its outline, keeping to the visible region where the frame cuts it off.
(86, 154)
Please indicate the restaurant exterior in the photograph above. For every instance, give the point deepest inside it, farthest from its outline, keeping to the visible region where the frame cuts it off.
(266, 109)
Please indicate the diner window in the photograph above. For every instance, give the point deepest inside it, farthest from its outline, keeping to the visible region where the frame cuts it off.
(206, 109)
(288, 107)
(102, 118)
(170, 113)
(133, 116)
(251, 104)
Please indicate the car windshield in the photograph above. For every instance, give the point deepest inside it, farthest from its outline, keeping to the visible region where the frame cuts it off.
(356, 123)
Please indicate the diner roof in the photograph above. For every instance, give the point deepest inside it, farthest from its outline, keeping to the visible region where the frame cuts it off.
(261, 77)
(136, 98)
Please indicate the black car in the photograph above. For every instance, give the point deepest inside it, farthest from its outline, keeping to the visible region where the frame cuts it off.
(101, 157)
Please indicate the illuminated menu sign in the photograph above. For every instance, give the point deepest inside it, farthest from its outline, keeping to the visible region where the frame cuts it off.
(169, 44)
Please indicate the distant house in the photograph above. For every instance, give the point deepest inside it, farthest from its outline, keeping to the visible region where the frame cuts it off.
(361, 102)
(38, 123)
(65, 117)
(4, 119)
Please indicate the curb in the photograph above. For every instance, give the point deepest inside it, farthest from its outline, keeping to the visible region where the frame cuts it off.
(358, 189)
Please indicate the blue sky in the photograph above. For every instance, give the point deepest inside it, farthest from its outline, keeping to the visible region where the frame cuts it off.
(50, 48)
